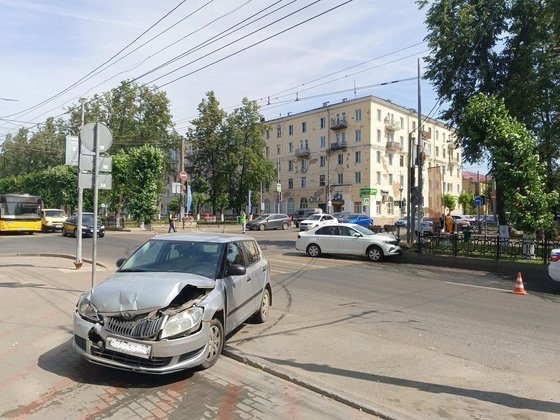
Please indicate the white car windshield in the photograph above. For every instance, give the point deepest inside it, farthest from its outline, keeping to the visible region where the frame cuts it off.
(363, 230)
(202, 258)
(314, 217)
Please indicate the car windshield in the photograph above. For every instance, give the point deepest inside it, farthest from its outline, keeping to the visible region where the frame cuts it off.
(364, 231)
(314, 217)
(261, 218)
(55, 213)
(202, 258)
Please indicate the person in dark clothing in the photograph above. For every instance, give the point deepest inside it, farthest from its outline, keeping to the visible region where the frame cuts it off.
(171, 223)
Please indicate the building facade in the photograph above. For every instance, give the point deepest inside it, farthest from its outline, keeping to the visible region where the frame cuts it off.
(355, 156)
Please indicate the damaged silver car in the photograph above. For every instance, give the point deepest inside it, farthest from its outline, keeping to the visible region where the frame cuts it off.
(171, 304)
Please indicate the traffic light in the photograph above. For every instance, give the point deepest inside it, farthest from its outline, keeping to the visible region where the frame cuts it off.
(414, 196)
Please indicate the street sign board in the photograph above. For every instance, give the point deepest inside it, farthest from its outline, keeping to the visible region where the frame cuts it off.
(104, 181)
(365, 201)
(278, 187)
(104, 136)
(104, 164)
(368, 191)
(176, 188)
(183, 175)
(478, 201)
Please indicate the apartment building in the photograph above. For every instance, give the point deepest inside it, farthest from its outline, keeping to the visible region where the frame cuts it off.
(355, 156)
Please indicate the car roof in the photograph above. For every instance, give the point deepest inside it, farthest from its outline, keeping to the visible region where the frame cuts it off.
(203, 237)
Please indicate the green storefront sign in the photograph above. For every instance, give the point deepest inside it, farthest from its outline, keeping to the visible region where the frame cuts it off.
(368, 191)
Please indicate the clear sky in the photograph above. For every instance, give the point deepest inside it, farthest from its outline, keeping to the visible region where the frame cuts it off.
(273, 51)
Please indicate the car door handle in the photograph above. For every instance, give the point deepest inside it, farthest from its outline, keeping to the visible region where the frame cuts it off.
(248, 279)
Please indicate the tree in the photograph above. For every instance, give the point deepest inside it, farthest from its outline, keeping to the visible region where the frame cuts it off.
(508, 49)
(466, 200)
(514, 163)
(145, 182)
(249, 167)
(449, 202)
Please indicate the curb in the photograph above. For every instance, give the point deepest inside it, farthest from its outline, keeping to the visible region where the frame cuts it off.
(311, 385)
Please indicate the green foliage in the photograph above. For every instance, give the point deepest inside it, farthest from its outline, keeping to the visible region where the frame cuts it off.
(449, 202)
(145, 182)
(466, 200)
(515, 163)
(174, 205)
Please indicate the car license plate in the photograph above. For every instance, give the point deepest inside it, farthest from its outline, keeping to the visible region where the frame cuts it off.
(134, 349)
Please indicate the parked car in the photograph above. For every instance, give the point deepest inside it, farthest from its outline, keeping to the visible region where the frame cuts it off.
(554, 265)
(350, 239)
(52, 219)
(461, 221)
(402, 222)
(69, 227)
(426, 226)
(470, 218)
(269, 221)
(302, 214)
(358, 219)
(171, 304)
(315, 220)
(490, 219)
(340, 214)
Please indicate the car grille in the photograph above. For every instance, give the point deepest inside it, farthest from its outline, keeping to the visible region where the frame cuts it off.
(132, 361)
(142, 328)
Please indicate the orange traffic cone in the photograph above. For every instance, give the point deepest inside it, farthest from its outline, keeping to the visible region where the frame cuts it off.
(519, 289)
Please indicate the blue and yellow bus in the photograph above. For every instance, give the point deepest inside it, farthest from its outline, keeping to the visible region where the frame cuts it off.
(20, 213)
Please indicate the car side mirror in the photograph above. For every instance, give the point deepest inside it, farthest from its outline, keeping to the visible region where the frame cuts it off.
(357, 235)
(120, 262)
(236, 270)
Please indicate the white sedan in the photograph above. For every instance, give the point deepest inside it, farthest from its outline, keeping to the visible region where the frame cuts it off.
(554, 265)
(317, 219)
(344, 238)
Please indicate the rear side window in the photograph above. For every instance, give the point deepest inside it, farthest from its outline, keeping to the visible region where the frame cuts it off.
(252, 251)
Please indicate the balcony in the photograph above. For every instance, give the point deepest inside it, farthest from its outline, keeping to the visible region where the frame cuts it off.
(426, 135)
(302, 152)
(338, 146)
(393, 146)
(392, 125)
(338, 123)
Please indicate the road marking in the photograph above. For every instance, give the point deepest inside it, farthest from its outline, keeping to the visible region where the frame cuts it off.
(476, 286)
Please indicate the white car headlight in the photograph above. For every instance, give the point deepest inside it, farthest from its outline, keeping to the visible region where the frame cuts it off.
(86, 309)
(183, 322)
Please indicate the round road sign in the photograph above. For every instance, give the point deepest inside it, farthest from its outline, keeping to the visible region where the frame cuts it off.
(478, 201)
(104, 137)
(183, 175)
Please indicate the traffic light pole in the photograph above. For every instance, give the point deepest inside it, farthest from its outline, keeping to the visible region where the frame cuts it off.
(420, 155)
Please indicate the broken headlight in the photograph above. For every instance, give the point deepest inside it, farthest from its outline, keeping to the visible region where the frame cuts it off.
(183, 322)
(86, 309)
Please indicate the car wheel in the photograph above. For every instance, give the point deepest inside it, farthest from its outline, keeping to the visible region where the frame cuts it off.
(262, 227)
(215, 343)
(101, 235)
(313, 250)
(375, 253)
(285, 226)
(262, 314)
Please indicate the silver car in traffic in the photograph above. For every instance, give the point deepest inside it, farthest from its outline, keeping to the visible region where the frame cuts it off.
(171, 304)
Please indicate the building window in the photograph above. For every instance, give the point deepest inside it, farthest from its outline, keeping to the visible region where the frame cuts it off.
(358, 136)
(340, 159)
(278, 131)
(267, 151)
(378, 207)
(323, 141)
(358, 115)
(277, 149)
(322, 122)
(304, 127)
(291, 130)
(401, 181)
(391, 159)
(402, 142)
(322, 180)
(443, 152)
(390, 179)
(358, 207)
(290, 183)
(378, 175)
(291, 205)
(401, 161)
(358, 157)
(437, 150)
(304, 165)
(322, 161)
(378, 156)
(378, 136)
(402, 123)
(268, 134)
(413, 125)
(378, 115)
(290, 147)
(390, 206)
(340, 179)
(303, 182)
(290, 165)
(357, 177)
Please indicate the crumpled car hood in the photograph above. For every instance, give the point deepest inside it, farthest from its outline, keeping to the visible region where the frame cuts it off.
(138, 291)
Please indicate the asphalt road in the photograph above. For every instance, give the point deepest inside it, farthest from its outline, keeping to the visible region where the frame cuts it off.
(425, 342)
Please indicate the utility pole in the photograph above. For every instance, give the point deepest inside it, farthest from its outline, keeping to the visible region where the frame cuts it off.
(78, 263)
(182, 198)
(420, 157)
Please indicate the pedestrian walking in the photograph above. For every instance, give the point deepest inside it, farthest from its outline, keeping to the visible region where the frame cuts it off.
(243, 220)
(449, 222)
(171, 223)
